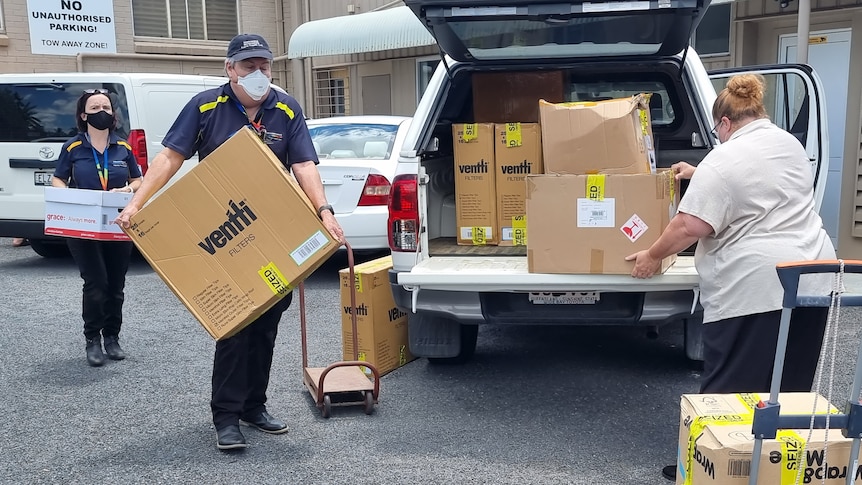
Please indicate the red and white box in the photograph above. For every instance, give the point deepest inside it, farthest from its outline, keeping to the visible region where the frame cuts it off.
(84, 214)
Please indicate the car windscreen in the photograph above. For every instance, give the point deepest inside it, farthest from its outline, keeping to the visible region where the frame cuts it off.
(353, 140)
(45, 112)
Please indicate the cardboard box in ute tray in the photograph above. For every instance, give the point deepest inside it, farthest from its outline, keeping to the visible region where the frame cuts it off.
(233, 236)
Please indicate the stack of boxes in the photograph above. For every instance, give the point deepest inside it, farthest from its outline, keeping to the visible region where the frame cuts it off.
(579, 189)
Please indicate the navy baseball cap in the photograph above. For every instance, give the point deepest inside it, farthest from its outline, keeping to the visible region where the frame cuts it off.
(245, 46)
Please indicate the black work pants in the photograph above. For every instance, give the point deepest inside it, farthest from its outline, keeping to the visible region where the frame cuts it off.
(739, 352)
(103, 266)
(241, 368)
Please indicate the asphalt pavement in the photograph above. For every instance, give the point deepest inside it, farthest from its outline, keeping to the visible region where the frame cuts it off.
(537, 405)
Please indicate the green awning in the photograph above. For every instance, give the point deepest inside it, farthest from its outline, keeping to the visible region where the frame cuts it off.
(394, 28)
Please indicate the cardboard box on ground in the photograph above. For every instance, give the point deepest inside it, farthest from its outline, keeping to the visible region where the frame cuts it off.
(381, 326)
(588, 224)
(716, 444)
(84, 214)
(611, 137)
(233, 236)
(475, 184)
(518, 153)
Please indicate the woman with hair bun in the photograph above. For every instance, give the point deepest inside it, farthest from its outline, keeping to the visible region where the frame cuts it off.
(749, 206)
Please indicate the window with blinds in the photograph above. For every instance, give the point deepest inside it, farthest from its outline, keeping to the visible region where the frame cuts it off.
(186, 19)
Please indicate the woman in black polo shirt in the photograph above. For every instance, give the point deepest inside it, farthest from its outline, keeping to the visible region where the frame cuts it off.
(97, 159)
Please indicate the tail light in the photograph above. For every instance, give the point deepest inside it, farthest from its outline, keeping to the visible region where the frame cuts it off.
(138, 141)
(376, 191)
(403, 221)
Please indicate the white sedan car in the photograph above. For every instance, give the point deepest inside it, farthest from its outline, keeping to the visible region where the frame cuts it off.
(358, 155)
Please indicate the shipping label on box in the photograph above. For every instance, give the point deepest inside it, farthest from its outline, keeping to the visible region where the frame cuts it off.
(613, 136)
(588, 224)
(233, 236)
(475, 200)
(518, 153)
(716, 444)
(381, 325)
(84, 214)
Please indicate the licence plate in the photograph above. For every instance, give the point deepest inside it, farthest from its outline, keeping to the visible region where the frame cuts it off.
(42, 178)
(565, 298)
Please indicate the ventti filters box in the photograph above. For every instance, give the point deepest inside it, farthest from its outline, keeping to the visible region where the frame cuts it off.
(613, 136)
(588, 224)
(716, 444)
(381, 326)
(233, 236)
(518, 153)
(84, 214)
(475, 205)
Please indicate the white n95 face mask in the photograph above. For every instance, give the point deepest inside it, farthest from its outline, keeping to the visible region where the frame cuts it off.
(255, 84)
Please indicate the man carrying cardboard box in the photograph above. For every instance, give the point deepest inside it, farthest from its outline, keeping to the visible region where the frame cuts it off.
(242, 363)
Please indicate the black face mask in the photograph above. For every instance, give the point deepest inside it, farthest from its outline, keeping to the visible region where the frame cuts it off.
(101, 120)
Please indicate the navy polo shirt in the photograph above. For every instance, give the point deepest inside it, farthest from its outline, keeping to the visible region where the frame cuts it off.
(78, 162)
(213, 116)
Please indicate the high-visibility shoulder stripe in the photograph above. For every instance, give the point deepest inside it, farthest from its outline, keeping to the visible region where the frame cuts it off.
(122, 143)
(208, 106)
(73, 145)
(286, 109)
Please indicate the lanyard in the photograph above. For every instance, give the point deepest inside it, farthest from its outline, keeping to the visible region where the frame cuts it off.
(256, 124)
(102, 170)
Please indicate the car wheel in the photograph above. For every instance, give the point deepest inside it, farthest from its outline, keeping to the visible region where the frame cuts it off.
(466, 350)
(50, 249)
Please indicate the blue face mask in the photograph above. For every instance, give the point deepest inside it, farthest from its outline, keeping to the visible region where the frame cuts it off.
(256, 84)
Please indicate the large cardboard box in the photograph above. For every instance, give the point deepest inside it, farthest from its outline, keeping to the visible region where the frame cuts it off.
(518, 153)
(588, 224)
(507, 97)
(716, 444)
(84, 214)
(381, 326)
(233, 236)
(613, 136)
(475, 201)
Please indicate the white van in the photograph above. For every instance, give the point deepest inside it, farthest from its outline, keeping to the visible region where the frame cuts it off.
(37, 115)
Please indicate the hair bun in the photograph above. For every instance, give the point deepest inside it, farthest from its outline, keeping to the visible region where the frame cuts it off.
(747, 86)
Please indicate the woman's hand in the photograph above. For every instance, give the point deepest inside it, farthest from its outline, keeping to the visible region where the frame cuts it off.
(127, 189)
(645, 265)
(331, 224)
(683, 170)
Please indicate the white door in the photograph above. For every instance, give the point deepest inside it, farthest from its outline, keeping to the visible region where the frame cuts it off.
(829, 55)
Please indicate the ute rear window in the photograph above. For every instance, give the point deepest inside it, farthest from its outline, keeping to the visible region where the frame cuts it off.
(661, 103)
(45, 112)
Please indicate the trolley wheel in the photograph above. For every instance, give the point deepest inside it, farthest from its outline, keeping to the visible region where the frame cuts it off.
(369, 402)
(326, 410)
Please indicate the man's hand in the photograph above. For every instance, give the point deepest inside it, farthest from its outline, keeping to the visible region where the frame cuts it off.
(683, 170)
(645, 265)
(123, 220)
(331, 224)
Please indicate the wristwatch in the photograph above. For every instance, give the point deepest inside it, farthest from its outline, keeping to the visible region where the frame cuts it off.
(325, 207)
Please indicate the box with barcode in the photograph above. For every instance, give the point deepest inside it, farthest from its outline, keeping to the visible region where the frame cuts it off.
(233, 236)
(716, 444)
(475, 174)
(518, 153)
(588, 224)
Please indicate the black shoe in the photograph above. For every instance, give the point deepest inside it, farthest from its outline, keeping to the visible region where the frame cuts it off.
(230, 438)
(95, 357)
(113, 349)
(265, 423)
(669, 472)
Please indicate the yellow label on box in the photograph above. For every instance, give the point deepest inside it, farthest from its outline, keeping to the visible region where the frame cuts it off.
(513, 134)
(596, 187)
(357, 282)
(470, 132)
(519, 230)
(479, 237)
(274, 279)
(644, 121)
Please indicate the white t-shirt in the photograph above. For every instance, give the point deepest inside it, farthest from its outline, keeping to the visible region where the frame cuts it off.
(756, 190)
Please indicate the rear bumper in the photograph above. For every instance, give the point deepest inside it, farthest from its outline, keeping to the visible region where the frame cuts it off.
(630, 308)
